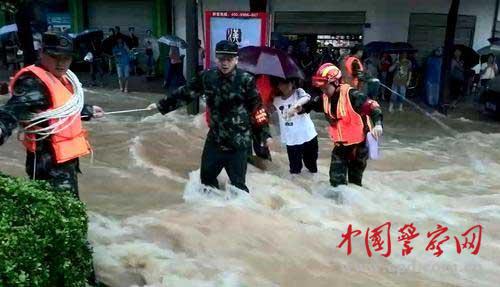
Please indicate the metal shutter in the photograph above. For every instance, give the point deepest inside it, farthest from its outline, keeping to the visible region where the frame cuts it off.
(105, 14)
(319, 22)
(427, 32)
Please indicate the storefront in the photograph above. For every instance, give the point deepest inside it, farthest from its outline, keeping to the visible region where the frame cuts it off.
(343, 30)
(105, 14)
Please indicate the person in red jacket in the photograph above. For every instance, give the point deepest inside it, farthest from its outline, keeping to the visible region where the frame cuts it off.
(353, 70)
(351, 116)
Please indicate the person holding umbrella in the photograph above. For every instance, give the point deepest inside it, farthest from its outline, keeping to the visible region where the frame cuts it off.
(148, 48)
(107, 47)
(234, 109)
(122, 56)
(174, 66)
(489, 70)
(402, 69)
(457, 76)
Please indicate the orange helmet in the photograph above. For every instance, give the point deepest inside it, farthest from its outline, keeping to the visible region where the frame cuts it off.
(327, 73)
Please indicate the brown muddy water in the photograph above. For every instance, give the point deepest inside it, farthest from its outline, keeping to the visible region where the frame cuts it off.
(150, 225)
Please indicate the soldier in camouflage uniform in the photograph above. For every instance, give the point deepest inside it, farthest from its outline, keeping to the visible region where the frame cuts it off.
(234, 108)
(30, 95)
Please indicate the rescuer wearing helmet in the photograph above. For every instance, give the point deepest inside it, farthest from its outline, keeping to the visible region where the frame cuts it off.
(351, 115)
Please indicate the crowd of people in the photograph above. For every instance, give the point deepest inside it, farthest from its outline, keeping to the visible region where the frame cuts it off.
(126, 55)
(123, 55)
(399, 71)
(396, 71)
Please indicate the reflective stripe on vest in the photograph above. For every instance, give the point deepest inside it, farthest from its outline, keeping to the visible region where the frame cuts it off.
(348, 129)
(69, 143)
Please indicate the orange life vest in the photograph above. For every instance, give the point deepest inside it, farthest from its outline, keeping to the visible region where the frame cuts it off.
(69, 143)
(348, 127)
(349, 78)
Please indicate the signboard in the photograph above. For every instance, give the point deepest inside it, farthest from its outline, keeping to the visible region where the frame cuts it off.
(59, 21)
(242, 28)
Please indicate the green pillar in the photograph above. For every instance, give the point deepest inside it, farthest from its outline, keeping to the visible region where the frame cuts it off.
(76, 11)
(2, 18)
(161, 26)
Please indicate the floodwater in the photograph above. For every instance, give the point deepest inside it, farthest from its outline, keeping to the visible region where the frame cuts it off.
(151, 226)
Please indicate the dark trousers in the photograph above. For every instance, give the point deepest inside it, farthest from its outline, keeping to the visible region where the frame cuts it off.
(456, 89)
(95, 69)
(62, 176)
(348, 161)
(307, 153)
(215, 158)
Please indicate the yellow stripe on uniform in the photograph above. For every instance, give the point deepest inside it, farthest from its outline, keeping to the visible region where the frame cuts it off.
(327, 70)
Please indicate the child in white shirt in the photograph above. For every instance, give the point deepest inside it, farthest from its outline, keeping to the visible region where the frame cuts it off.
(297, 130)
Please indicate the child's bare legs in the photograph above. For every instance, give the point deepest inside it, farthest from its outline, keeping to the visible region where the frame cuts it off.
(126, 86)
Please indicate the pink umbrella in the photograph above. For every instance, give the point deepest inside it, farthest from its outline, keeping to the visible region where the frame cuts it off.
(268, 61)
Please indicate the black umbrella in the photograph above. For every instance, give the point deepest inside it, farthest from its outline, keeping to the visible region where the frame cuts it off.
(172, 40)
(377, 47)
(401, 47)
(89, 35)
(494, 40)
(469, 56)
(486, 51)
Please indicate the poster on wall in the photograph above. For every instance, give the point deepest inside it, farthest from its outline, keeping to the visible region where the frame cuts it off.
(59, 21)
(242, 28)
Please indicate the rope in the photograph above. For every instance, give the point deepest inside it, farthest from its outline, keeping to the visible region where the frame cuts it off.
(127, 111)
(62, 117)
(417, 107)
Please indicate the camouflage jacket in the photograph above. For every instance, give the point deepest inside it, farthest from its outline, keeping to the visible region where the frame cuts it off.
(231, 102)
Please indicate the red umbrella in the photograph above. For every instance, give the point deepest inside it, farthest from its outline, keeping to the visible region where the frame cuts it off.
(268, 61)
(265, 88)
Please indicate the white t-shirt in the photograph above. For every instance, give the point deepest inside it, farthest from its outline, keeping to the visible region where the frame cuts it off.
(297, 129)
(489, 72)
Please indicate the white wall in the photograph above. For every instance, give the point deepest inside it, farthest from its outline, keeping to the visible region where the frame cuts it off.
(390, 18)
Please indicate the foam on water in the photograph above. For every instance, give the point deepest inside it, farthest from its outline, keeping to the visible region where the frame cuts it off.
(286, 231)
(297, 222)
(135, 152)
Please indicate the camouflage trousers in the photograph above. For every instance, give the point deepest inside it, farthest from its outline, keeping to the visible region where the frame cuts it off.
(348, 164)
(62, 176)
